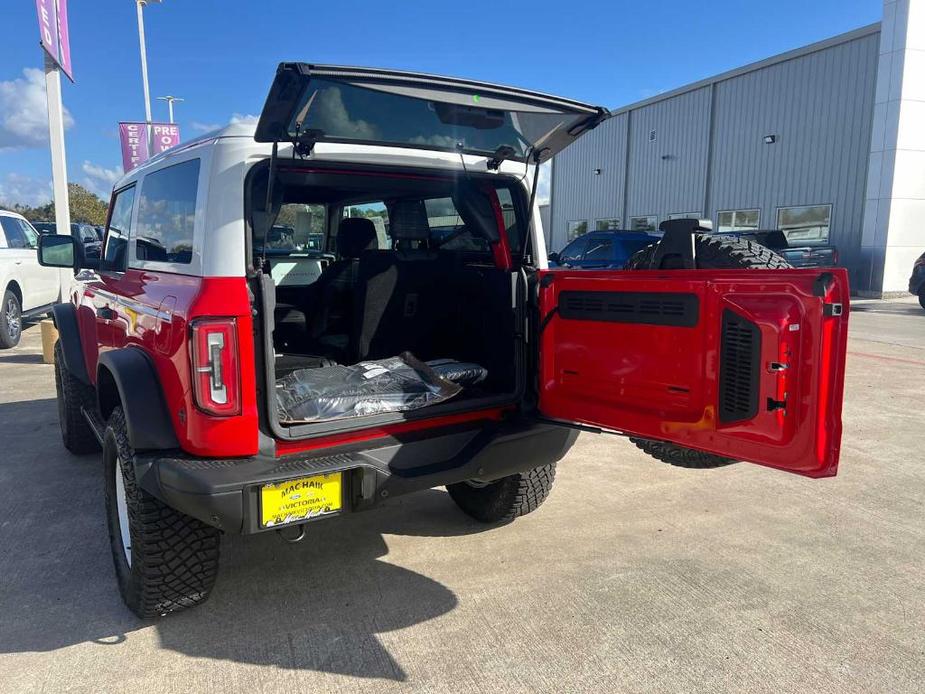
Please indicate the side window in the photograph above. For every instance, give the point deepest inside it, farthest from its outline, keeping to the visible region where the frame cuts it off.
(599, 249)
(167, 214)
(298, 228)
(513, 229)
(32, 237)
(378, 214)
(574, 250)
(15, 236)
(118, 230)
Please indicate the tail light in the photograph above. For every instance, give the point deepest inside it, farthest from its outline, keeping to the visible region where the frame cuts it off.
(216, 369)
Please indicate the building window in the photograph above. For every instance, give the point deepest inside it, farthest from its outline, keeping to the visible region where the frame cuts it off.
(646, 223)
(576, 228)
(807, 224)
(167, 214)
(738, 220)
(606, 224)
(685, 215)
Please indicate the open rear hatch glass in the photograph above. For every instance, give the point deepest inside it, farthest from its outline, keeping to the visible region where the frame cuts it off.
(316, 103)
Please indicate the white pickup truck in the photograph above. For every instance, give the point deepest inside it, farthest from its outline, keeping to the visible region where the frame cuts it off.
(27, 289)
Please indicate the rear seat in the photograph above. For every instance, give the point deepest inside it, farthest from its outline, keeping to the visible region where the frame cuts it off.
(402, 303)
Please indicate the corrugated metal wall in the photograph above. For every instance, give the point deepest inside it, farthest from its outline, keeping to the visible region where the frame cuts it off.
(579, 193)
(668, 173)
(819, 105)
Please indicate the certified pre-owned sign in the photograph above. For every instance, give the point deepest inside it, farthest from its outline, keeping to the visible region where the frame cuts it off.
(53, 32)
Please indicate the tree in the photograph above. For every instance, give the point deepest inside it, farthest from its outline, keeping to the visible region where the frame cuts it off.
(86, 208)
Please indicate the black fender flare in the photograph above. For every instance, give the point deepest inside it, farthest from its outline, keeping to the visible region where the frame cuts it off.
(65, 319)
(146, 416)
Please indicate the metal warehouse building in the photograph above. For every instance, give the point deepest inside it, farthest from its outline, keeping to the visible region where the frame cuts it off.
(826, 142)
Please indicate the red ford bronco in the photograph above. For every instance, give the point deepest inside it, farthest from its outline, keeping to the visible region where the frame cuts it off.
(352, 302)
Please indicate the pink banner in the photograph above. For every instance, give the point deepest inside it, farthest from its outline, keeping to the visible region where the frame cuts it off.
(165, 136)
(64, 40)
(134, 144)
(54, 34)
(135, 141)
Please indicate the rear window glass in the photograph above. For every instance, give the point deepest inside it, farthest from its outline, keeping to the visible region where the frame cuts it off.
(167, 214)
(342, 111)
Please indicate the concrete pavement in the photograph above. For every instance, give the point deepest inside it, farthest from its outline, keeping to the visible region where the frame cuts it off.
(633, 577)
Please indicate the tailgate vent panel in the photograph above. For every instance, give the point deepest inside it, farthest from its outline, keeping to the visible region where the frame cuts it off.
(649, 308)
(739, 368)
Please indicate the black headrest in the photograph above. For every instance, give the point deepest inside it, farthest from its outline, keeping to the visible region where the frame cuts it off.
(355, 235)
(408, 221)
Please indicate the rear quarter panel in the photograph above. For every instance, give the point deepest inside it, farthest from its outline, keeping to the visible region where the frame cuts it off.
(153, 311)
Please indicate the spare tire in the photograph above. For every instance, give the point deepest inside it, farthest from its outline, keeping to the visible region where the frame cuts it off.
(710, 253)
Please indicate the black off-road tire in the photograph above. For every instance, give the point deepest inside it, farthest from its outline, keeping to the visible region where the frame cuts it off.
(712, 253)
(719, 253)
(505, 499)
(174, 558)
(680, 456)
(73, 394)
(10, 320)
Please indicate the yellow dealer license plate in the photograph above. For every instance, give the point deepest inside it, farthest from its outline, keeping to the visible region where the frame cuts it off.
(300, 499)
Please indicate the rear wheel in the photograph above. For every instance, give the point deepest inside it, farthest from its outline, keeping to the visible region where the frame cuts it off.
(711, 253)
(505, 499)
(73, 395)
(165, 561)
(10, 320)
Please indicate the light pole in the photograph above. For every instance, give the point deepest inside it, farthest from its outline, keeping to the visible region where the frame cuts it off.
(170, 102)
(139, 6)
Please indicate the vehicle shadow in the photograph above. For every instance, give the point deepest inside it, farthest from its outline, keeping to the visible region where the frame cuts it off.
(314, 605)
(20, 358)
(896, 309)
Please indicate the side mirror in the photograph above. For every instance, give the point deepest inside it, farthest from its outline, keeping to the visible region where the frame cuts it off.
(57, 250)
(553, 257)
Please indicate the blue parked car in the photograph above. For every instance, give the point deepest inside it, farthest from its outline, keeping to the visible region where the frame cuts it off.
(601, 249)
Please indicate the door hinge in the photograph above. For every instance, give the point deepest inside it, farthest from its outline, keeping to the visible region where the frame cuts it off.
(832, 309)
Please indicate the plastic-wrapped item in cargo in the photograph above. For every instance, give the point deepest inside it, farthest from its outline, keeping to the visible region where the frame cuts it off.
(396, 384)
(462, 372)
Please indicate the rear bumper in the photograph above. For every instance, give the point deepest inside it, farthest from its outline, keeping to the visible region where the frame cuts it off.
(225, 493)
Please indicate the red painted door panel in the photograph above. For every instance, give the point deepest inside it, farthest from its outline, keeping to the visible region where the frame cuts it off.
(747, 364)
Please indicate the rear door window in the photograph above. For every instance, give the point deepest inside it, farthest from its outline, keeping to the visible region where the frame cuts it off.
(15, 236)
(448, 230)
(376, 212)
(167, 214)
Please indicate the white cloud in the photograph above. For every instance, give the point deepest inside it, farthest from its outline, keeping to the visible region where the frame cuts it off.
(246, 118)
(99, 179)
(16, 189)
(24, 112)
(204, 127)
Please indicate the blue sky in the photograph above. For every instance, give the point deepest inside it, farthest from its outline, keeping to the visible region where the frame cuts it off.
(220, 56)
